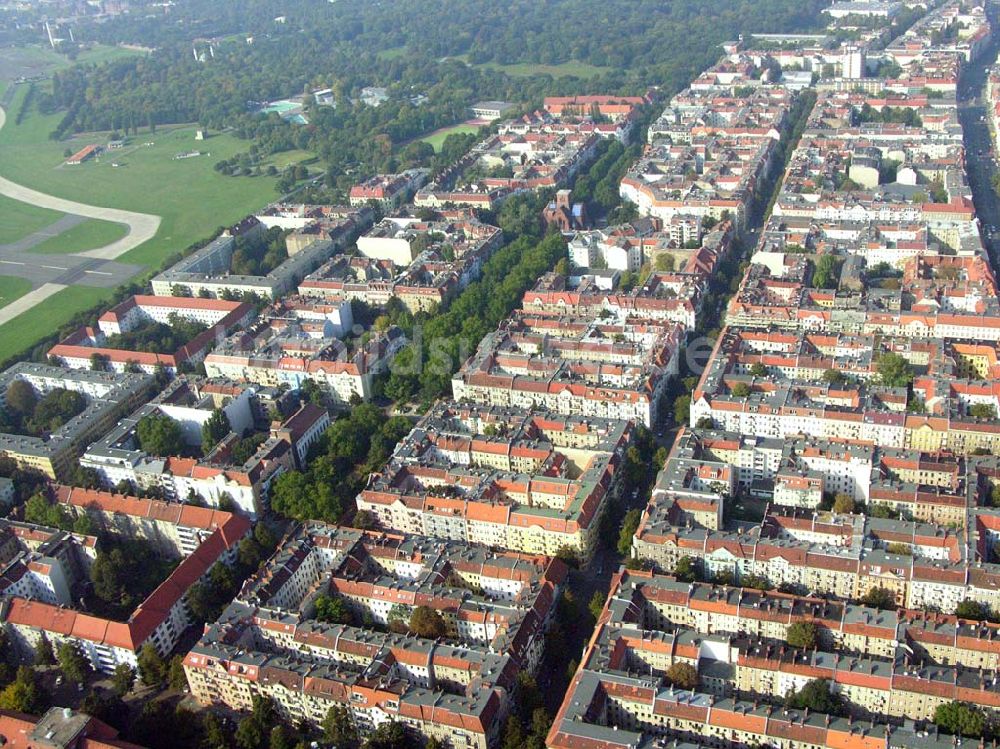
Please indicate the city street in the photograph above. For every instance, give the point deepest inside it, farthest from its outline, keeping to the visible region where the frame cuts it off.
(981, 161)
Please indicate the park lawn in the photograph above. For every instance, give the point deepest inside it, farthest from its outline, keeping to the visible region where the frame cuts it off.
(437, 138)
(87, 235)
(102, 53)
(11, 288)
(25, 330)
(38, 60)
(287, 158)
(18, 220)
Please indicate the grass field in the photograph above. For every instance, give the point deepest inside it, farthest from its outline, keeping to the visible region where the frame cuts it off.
(524, 69)
(188, 194)
(391, 53)
(437, 138)
(25, 330)
(18, 220)
(87, 235)
(11, 288)
(286, 158)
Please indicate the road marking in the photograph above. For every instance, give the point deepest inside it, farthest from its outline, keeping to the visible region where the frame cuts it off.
(54, 267)
(98, 272)
(11, 262)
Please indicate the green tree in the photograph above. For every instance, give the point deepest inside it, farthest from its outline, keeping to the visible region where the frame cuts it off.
(969, 609)
(426, 622)
(72, 662)
(249, 554)
(630, 523)
(176, 678)
(682, 409)
(21, 399)
(569, 556)
(802, 635)
(596, 604)
(43, 652)
(24, 695)
(879, 598)
(843, 503)
(816, 696)
(833, 377)
(160, 435)
(758, 369)
(338, 728)
(825, 274)
(389, 736)
(882, 510)
(333, 609)
(894, 370)
(740, 390)
(983, 411)
(960, 719)
(687, 569)
(664, 262)
(152, 668)
(40, 511)
(682, 675)
(513, 734)
(214, 429)
(123, 679)
(105, 707)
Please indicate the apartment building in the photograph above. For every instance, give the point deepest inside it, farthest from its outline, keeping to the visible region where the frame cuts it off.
(208, 271)
(620, 698)
(198, 537)
(286, 350)
(457, 689)
(615, 366)
(220, 318)
(422, 263)
(529, 481)
(215, 479)
(108, 395)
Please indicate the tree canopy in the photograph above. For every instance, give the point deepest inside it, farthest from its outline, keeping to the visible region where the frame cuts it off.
(426, 622)
(160, 435)
(894, 370)
(816, 696)
(960, 719)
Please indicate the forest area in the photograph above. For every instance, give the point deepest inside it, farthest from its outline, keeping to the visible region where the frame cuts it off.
(443, 50)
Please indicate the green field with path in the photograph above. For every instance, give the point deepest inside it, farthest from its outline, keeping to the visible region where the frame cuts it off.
(192, 199)
(11, 288)
(18, 220)
(25, 330)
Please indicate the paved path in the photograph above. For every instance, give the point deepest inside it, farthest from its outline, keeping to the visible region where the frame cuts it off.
(34, 239)
(29, 300)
